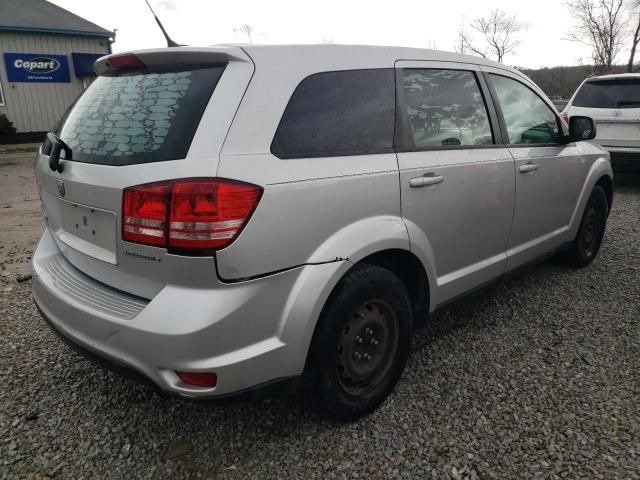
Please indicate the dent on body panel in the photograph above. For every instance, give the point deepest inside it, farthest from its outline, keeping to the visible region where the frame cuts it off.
(296, 223)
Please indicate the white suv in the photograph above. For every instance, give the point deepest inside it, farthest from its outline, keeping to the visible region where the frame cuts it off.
(613, 101)
(222, 219)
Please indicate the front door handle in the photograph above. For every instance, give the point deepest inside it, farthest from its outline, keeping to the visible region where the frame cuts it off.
(529, 167)
(426, 180)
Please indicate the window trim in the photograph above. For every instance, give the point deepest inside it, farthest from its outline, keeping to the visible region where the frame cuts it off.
(503, 123)
(494, 125)
(335, 153)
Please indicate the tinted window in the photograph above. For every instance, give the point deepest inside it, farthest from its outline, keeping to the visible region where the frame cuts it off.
(138, 118)
(529, 119)
(338, 113)
(609, 94)
(441, 108)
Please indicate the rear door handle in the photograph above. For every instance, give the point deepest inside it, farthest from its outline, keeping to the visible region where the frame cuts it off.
(426, 180)
(529, 167)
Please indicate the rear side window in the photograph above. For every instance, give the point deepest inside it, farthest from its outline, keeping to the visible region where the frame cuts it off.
(138, 118)
(529, 120)
(623, 93)
(441, 108)
(331, 114)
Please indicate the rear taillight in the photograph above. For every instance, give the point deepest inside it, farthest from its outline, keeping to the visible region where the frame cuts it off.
(145, 210)
(188, 215)
(565, 117)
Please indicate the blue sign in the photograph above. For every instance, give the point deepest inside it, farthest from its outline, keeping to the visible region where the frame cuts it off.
(83, 63)
(36, 67)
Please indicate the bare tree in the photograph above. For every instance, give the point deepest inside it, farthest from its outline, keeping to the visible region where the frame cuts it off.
(635, 39)
(599, 24)
(245, 29)
(497, 32)
(461, 40)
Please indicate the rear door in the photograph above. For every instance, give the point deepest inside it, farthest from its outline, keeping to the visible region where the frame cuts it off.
(456, 178)
(549, 172)
(157, 115)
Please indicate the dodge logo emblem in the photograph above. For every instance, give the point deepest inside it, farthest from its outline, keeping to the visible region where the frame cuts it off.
(61, 188)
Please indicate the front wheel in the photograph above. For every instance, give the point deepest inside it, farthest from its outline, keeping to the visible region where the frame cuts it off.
(584, 248)
(360, 346)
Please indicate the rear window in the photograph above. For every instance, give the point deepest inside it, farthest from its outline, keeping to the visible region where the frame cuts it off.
(348, 112)
(609, 94)
(138, 118)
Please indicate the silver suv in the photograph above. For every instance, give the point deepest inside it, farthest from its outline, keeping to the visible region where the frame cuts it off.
(252, 219)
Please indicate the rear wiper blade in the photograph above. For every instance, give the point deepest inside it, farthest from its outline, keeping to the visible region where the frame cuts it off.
(57, 145)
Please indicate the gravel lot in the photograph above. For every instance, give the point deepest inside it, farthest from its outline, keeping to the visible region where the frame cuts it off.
(536, 378)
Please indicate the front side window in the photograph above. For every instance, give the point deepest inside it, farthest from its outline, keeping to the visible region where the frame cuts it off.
(348, 112)
(528, 118)
(441, 108)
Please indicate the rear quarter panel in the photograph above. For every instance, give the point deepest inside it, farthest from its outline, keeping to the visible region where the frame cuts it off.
(313, 210)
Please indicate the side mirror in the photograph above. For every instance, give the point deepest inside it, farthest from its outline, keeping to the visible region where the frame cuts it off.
(581, 128)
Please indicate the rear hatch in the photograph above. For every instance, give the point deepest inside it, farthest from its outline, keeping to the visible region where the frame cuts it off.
(150, 116)
(614, 103)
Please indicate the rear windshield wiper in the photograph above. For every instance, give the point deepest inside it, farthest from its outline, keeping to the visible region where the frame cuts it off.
(57, 145)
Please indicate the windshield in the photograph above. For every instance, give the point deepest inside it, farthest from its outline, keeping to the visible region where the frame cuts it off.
(609, 94)
(137, 118)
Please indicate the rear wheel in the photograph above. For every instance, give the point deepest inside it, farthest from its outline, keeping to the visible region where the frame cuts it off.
(584, 248)
(360, 346)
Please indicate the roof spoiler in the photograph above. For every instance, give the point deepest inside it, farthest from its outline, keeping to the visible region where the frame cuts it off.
(166, 59)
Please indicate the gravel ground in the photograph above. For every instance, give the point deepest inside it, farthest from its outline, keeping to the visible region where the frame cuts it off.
(536, 378)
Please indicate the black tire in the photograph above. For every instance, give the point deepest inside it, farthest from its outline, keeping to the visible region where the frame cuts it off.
(360, 346)
(584, 248)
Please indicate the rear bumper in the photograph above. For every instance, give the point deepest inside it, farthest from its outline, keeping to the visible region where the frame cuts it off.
(625, 158)
(243, 332)
(270, 388)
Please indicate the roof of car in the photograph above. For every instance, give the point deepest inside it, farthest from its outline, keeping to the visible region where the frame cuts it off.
(615, 76)
(381, 52)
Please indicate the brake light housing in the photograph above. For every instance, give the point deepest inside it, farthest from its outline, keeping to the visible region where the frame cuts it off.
(192, 215)
(127, 63)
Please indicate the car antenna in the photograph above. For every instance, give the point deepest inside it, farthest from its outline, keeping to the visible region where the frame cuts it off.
(170, 43)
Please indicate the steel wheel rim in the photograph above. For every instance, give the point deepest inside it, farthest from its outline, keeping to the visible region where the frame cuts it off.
(367, 346)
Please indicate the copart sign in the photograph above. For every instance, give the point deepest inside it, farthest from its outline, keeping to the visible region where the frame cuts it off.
(36, 67)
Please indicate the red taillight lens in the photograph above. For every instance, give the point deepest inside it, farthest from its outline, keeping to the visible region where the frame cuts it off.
(145, 212)
(209, 214)
(565, 117)
(199, 379)
(128, 62)
(190, 214)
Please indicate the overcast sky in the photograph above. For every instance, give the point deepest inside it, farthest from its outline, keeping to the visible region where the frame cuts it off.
(414, 23)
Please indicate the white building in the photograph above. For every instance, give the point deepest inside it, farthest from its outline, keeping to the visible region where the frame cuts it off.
(46, 61)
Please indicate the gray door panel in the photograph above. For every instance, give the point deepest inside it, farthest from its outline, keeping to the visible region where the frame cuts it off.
(458, 189)
(546, 198)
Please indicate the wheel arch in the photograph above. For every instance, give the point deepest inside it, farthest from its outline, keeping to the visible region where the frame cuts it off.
(606, 183)
(600, 173)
